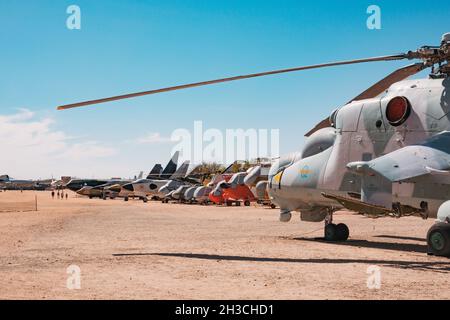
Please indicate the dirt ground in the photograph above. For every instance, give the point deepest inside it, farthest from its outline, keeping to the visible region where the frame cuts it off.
(132, 250)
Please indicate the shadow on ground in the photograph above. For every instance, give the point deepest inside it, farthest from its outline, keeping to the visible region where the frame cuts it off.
(439, 266)
(405, 247)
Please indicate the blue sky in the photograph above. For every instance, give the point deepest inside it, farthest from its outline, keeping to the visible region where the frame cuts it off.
(128, 46)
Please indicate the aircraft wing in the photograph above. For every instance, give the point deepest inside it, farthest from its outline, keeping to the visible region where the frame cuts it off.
(429, 162)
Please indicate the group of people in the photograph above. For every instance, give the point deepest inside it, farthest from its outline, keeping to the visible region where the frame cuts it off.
(60, 194)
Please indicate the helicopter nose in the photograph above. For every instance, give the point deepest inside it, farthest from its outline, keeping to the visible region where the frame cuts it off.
(214, 198)
(128, 187)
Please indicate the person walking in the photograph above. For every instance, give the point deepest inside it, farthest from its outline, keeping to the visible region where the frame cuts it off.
(67, 196)
(53, 194)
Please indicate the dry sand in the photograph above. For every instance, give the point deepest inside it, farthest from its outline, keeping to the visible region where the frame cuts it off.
(167, 251)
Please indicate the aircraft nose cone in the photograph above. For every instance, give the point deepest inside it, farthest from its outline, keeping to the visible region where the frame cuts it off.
(128, 187)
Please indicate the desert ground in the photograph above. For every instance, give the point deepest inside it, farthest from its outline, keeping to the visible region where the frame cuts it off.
(136, 250)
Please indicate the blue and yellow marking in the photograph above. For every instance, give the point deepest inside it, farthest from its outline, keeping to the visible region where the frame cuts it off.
(305, 172)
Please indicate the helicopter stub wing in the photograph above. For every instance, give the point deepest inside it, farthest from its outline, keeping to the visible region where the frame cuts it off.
(428, 162)
(359, 206)
(375, 211)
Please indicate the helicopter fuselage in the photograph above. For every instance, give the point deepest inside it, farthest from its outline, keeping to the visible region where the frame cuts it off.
(362, 131)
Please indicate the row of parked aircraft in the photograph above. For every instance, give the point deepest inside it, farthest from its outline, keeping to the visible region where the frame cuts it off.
(183, 184)
(8, 183)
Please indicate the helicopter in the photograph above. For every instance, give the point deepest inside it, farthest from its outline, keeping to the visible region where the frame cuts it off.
(386, 153)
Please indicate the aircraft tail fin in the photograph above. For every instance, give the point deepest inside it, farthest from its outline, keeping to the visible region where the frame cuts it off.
(181, 172)
(141, 174)
(155, 172)
(171, 167)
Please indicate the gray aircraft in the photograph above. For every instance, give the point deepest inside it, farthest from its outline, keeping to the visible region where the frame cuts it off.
(8, 183)
(386, 153)
(104, 191)
(156, 179)
(184, 180)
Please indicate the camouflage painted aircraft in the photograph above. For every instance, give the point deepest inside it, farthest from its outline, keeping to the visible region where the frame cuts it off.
(104, 191)
(384, 154)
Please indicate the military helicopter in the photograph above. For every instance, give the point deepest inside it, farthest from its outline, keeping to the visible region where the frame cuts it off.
(386, 153)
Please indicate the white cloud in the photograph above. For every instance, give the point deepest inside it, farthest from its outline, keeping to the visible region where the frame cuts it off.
(31, 147)
(153, 138)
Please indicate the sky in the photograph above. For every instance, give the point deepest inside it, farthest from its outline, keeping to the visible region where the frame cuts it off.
(136, 45)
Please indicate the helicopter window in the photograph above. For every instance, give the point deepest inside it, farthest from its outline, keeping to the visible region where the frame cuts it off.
(224, 185)
(153, 186)
(398, 110)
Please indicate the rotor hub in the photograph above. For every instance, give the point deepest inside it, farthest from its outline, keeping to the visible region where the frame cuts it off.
(435, 55)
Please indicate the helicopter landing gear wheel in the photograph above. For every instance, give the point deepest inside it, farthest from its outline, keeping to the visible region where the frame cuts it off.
(333, 232)
(247, 203)
(330, 232)
(342, 232)
(438, 239)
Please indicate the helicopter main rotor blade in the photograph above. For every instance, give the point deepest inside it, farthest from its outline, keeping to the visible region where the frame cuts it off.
(254, 75)
(376, 89)
(385, 83)
(325, 123)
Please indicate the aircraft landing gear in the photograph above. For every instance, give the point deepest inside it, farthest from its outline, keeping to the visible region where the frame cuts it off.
(333, 232)
(438, 239)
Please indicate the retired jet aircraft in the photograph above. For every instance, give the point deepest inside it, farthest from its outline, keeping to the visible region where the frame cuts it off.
(8, 183)
(156, 179)
(102, 191)
(385, 153)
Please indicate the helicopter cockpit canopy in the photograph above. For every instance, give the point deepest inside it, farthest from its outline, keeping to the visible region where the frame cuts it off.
(283, 162)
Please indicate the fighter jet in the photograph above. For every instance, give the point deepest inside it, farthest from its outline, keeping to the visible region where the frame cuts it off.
(76, 184)
(104, 191)
(149, 186)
